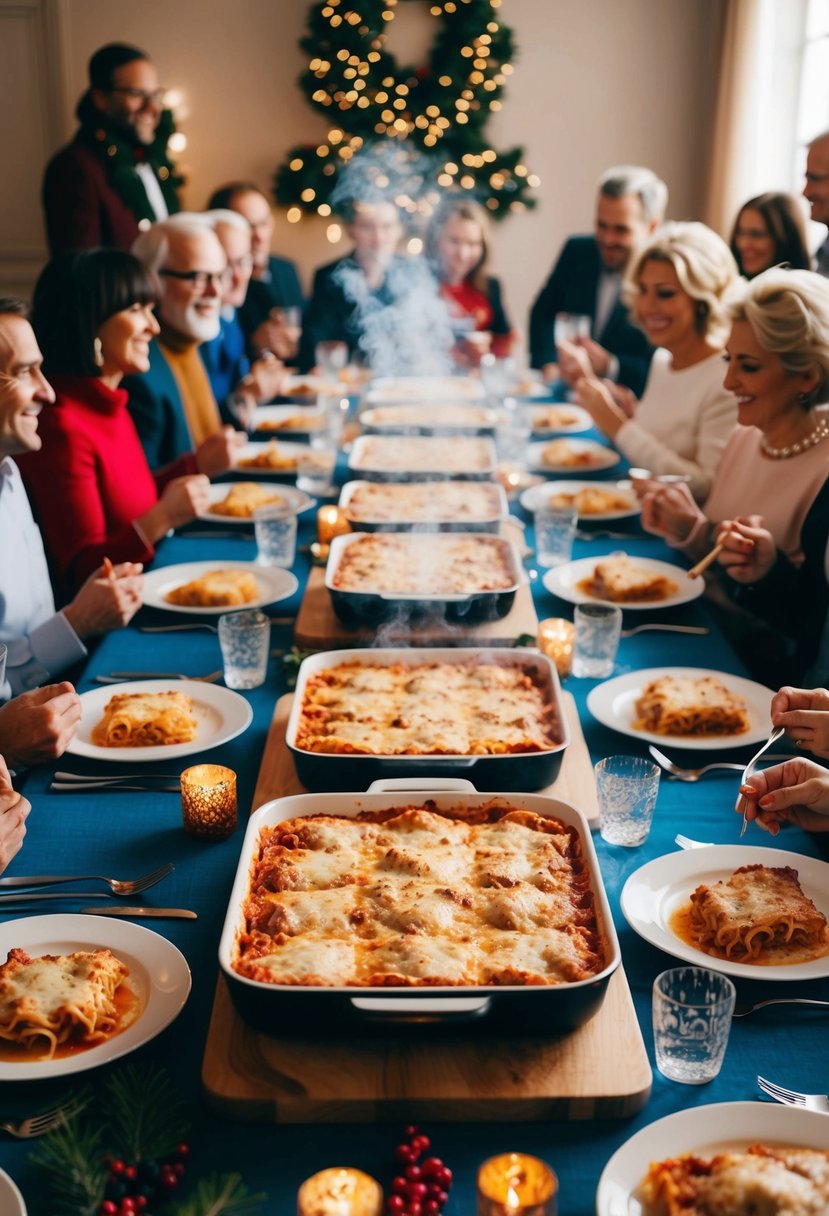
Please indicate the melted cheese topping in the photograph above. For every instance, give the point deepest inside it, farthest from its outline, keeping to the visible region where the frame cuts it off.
(593, 501)
(683, 705)
(620, 580)
(456, 897)
(428, 566)
(216, 589)
(423, 502)
(425, 454)
(146, 719)
(564, 454)
(462, 708)
(246, 497)
(762, 1181)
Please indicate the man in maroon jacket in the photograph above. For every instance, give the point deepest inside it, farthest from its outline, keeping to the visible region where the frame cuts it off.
(114, 178)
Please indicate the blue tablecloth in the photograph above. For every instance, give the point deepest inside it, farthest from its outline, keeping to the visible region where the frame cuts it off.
(126, 834)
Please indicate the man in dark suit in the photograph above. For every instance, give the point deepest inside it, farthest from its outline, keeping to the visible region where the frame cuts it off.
(816, 193)
(586, 280)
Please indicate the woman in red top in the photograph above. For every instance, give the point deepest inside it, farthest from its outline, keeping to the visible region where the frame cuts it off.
(458, 248)
(90, 485)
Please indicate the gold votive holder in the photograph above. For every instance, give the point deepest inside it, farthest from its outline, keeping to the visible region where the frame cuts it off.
(340, 1191)
(208, 801)
(515, 1184)
(331, 522)
(556, 637)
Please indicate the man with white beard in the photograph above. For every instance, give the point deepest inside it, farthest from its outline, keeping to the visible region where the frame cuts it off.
(172, 405)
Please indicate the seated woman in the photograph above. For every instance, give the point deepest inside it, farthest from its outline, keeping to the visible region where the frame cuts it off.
(458, 247)
(14, 811)
(675, 288)
(90, 484)
(796, 791)
(770, 231)
(770, 497)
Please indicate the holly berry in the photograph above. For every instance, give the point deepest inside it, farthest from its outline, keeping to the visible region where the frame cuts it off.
(108, 1208)
(421, 1188)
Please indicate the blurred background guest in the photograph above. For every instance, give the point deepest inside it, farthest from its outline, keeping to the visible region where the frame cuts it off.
(816, 193)
(458, 246)
(271, 312)
(94, 494)
(769, 231)
(41, 641)
(172, 404)
(115, 176)
(769, 503)
(675, 291)
(14, 811)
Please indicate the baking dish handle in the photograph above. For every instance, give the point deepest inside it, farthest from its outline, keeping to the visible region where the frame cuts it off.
(441, 785)
(444, 1010)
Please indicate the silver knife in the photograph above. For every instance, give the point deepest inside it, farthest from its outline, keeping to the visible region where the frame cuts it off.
(140, 913)
(112, 787)
(24, 897)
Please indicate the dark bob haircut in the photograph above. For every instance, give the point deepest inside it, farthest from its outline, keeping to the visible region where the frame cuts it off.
(785, 225)
(76, 292)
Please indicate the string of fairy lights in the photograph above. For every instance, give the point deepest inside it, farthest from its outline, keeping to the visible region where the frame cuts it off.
(434, 115)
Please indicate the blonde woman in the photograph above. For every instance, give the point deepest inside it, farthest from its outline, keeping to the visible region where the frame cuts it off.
(675, 289)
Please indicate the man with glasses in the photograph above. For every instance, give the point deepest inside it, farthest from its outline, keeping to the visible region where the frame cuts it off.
(172, 404)
(115, 177)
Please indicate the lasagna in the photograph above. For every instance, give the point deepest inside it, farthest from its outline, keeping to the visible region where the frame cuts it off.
(416, 896)
(424, 454)
(755, 915)
(429, 417)
(553, 418)
(269, 458)
(761, 1181)
(620, 580)
(426, 709)
(216, 589)
(423, 502)
(684, 705)
(592, 500)
(564, 454)
(244, 498)
(59, 999)
(293, 422)
(146, 719)
(402, 563)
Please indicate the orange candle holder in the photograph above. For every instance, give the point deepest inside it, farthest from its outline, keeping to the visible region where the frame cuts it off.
(331, 522)
(556, 638)
(515, 1184)
(208, 801)
(340, 1191)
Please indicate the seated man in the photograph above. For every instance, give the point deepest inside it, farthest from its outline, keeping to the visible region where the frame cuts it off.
(274, 286)
(115, 176)
(238, 385)
(172, 404)
(40, 641)
(14, 811)
(586, 281)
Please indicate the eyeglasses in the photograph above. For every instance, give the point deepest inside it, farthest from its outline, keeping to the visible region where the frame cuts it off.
(145, 96)
(198, 278)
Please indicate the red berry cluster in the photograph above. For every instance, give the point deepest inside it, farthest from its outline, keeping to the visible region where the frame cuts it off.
(131, 1188)
(422, 1188)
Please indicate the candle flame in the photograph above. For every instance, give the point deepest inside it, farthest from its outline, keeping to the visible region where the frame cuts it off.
(513, 1200)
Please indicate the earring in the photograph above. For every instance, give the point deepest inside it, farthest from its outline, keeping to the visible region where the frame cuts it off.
(98, 352)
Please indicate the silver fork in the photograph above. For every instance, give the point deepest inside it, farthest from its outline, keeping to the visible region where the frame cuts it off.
(749, 769)
(117, 677)
(694, 774)
(129, 886)
(791, 1097)
(742, 1010)
(685, 842)
(39, 1125)
(699, 629)
(177, 628)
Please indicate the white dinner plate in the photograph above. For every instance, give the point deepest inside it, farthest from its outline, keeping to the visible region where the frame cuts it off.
(220, 713)
(539, 496)
(291, 451)
(704, 1131)
(159, 975)
(579, 418)
(267, 420)
(274, 584)
(296, 499)
(653, 893)
(600, 457)
(11, 1201)
(612, 703)
(563, 581)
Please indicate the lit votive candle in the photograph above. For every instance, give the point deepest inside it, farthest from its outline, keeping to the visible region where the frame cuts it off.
(340, 1191)
(555, 639)
(514, 1184)
(208, 801)
(331, 522)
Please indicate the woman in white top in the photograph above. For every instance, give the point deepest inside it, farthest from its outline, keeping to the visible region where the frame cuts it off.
(675, 288)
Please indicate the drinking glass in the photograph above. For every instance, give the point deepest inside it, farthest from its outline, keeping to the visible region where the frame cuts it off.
(331, 357)
(626, 787)
(512, 433)
(315, 472)
(554, 532)
(245, 639)
(497, 377)
(275, 531)
(692, 1010)
(570, 326)
(598, 629)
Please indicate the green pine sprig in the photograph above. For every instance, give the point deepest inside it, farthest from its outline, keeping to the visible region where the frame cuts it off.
(221, 1195)
(71, 1158)
(144, 1113)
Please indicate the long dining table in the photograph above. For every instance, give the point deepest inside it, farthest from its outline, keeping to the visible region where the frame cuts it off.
(127, 833)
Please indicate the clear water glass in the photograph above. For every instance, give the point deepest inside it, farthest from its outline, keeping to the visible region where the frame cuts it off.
(598, 629)
(570, 326)
(245, 640)
(275, 531)
(331, 356)
(315, 471)
(692, 1009)
(554, 533)
(626, 787)
(512, 434)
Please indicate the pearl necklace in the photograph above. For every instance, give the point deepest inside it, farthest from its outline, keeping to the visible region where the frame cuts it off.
(794, 449)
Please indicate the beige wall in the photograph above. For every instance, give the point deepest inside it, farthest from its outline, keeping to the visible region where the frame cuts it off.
(597, 82)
